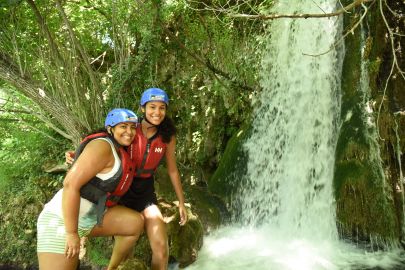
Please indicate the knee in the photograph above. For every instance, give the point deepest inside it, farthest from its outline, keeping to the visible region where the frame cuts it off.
(136, 225)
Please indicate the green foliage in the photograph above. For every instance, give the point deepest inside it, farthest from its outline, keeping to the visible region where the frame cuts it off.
(24, 186)
(195, 57)
(99, 250)
(22, 158)
(18, 216)
(133, 45)
(23, 153)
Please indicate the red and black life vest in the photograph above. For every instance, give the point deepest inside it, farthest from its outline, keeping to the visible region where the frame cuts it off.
(106, 193)
(146, 153)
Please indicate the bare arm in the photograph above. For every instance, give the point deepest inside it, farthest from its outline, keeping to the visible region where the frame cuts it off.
(175, 178)
(95, 158)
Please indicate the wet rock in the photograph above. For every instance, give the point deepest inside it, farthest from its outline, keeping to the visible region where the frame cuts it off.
(184, 241)
(133, 264)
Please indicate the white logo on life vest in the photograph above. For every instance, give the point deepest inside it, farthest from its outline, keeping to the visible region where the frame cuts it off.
(125, 181)
(158, 149)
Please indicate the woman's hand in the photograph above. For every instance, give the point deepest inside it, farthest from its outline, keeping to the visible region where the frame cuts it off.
(72, 247)
(183, 214)
(69, 157)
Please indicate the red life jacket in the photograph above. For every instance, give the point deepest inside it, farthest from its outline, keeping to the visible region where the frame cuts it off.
(106, 193)
(146, 153)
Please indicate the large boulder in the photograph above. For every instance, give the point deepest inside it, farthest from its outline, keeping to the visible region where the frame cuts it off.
(184, 241)
(205, 206)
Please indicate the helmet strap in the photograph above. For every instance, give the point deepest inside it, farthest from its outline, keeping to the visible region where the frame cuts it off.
(146, 119)
(111, 136)
(109, 130)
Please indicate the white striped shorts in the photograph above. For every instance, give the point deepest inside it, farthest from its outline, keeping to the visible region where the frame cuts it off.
(51, 234)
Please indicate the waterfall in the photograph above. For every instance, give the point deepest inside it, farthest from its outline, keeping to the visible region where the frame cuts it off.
(287, 218)
(291, 150)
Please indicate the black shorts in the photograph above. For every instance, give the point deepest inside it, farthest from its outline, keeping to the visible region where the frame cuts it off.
(140, 195)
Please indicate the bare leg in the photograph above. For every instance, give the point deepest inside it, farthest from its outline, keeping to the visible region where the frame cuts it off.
(52, 261)
(122, 248)
(120, 221)
(156, 231)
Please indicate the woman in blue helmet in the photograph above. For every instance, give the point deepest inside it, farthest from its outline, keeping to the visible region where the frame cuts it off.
(155, 139)
(79, 208)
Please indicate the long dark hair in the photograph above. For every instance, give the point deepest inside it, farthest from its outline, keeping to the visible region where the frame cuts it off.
(166, 129)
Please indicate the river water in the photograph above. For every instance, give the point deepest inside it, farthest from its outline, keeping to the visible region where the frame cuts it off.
(287, 218)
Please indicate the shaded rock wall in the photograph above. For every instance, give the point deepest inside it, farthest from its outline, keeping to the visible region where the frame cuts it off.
(367, 186)
(230, 173)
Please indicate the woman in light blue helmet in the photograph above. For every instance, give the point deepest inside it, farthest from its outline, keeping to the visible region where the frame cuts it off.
(99, 167)
(155, 139)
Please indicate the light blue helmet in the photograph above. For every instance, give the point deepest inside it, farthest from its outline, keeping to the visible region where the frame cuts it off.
(154, 94)
(116, 116)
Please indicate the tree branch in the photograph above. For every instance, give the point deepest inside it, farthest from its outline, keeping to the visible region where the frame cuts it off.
(392, 41)
(355, 4)
(394, 64)
(9, 73)
(350, 31)
(102, 12)
(15, 111)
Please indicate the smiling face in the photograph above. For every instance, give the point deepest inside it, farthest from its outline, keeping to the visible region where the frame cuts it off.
(155, 112)
(124, 132)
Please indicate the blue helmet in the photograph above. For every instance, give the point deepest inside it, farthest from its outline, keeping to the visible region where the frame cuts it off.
(116, 116)
(154, 94)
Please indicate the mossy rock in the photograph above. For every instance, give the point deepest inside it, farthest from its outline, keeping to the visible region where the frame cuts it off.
(184, 241)
(365, 205)
(133, 264)
(361, 190)
(232, 166)
(208, 208)
(364, 216)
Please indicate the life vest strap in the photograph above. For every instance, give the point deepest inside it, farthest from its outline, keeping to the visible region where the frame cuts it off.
(114, 198)
(100, 209)
(145, 156)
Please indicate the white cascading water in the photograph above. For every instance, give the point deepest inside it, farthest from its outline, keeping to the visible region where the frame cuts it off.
(287, 215)
(291, 151)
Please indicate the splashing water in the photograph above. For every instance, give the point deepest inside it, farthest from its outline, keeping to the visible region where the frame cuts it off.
(287, 216)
